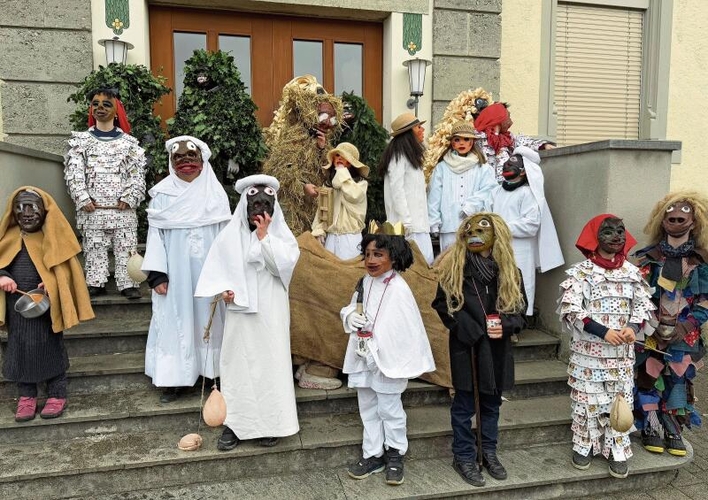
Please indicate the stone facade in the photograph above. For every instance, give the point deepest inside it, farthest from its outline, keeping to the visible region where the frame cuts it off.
(46, 53)
(466, 49)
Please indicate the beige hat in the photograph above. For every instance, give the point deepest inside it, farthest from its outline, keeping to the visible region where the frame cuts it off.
(349, 152)
(464, 129)
(403, 123)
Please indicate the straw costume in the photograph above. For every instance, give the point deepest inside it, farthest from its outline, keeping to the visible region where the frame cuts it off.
(306, 112)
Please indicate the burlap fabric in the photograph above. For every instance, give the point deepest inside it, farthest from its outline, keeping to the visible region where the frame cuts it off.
(322, 284)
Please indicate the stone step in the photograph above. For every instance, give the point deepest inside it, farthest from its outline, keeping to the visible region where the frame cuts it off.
(111, 463)
(124, 412)
(108, 373)
(536, 345)
(540, 472)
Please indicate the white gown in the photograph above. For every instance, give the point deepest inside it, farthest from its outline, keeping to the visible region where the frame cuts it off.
(257, 379)
(176, 355)
(522, 214)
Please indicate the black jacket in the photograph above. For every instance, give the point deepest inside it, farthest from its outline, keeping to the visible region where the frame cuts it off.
(468, 333)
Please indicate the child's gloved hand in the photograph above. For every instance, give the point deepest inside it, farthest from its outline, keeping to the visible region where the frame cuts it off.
(356, 321)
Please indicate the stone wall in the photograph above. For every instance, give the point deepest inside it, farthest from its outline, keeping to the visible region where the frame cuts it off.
(46, 51)
(466, 49)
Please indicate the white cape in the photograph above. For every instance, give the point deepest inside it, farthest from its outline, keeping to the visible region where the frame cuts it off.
(400, 343)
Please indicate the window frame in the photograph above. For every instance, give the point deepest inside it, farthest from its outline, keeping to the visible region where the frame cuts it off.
(656, 39)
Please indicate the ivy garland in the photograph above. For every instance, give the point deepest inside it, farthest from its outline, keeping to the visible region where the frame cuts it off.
(216, 108)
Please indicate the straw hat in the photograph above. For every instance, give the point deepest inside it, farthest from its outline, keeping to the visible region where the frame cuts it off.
(403, 123)
(349, 152)
(464, 129)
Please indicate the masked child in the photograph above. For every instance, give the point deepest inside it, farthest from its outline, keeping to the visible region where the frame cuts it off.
(346, 175)
(38, 249)
(387, 346)
(461, 184)
(481, 301)
(604, 302)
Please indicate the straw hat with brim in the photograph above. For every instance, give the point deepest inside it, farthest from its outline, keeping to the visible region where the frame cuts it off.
(349, 152)
(464, 129)
(404, 123)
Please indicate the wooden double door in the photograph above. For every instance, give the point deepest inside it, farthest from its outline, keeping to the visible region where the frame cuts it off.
(269, 51)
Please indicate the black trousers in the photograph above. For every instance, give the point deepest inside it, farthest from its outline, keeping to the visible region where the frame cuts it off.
(56, 387)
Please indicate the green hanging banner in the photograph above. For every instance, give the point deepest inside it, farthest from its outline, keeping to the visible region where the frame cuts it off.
(412, 32)
(118, 15)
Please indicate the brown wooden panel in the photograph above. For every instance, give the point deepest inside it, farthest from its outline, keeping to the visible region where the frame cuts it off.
(271, 50)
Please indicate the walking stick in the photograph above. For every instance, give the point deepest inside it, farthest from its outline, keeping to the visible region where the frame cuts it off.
(477, 416)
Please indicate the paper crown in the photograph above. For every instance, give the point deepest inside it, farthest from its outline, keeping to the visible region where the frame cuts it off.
(387, 228)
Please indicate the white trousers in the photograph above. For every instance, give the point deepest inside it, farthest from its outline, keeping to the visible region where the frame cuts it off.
(447, 240)
(425, 244)
(384, 422)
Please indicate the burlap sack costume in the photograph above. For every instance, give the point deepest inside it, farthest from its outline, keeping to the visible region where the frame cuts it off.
(322, 284)
(53, 251)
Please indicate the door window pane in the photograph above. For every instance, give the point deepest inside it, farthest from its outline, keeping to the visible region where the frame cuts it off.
(185, 45)
(307, 59)
(348, 68)
(240, 49)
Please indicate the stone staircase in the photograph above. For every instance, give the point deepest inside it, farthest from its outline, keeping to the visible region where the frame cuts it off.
(117, 441)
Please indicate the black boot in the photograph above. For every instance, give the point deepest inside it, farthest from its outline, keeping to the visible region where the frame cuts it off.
(131, 293)
(170, 394)
(96, 291)
(227, 441)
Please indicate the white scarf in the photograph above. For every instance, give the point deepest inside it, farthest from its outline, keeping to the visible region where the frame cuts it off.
(198, 203)
(460, 164)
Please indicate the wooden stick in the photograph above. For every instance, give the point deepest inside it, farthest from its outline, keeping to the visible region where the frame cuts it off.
(650, 348)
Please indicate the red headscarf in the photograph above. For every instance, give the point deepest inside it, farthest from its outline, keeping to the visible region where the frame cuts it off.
(488, 119)
(587, 243)
(123, 122)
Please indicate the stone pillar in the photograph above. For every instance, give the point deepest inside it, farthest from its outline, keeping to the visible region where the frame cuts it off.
(621, 177)
(46, 51)
(466, 49)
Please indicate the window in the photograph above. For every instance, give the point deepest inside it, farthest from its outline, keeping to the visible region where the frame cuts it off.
(185, 45)
(598, 73)
(607, 71)
(240, 48)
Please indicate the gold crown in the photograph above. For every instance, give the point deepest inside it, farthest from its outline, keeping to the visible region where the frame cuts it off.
(387, 228)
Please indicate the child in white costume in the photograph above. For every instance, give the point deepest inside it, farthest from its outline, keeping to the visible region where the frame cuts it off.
(521, 202)
(347, 177)
(387, 346)
(461, 184)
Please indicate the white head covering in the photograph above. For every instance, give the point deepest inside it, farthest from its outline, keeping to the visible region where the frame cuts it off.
(198, 203)
(236, 255)
(549, 253)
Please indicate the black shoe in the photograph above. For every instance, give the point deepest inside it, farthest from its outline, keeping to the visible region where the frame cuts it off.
(674, 445)
(470, 472)
(131, 293)
(227, 441)
(620, 470)
(652, 441)
(366, 466)
(268, 442)
(494, 466)
(170, 394)
(96, 291)
(581, 461)
(394, 467)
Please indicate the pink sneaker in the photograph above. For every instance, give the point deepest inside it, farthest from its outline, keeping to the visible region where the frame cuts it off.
(26, 409)
(53, 408)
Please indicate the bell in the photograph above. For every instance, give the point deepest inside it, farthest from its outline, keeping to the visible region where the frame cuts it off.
(135, 262)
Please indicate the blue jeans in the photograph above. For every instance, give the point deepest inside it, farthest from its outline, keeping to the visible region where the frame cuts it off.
(464, 439)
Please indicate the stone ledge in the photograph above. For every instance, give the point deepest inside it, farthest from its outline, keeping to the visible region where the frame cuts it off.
(6, 147)
(639, 145)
